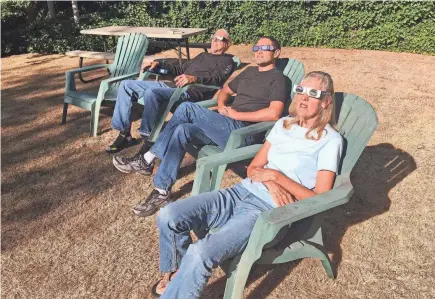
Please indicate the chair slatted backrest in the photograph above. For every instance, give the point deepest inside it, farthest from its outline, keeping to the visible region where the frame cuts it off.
(130, 52)
(237, 62)
(356, 120)
(294, 70)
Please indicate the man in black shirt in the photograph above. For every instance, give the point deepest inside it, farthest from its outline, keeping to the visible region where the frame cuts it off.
(262, 92)
(212, 68)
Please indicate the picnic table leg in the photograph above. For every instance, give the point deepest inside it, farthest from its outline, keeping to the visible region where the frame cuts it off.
(105, 46)
(187, 48)
(179, 52)
(80, 74)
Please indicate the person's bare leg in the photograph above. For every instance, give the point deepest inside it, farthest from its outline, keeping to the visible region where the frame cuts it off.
(164, 281)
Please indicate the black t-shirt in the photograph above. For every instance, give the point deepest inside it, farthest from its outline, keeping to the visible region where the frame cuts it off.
(255, 90)
(209, 69)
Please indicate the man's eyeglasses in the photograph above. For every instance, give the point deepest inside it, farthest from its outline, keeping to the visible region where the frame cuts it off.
(218, 38)
(311, 92)
(263, 48)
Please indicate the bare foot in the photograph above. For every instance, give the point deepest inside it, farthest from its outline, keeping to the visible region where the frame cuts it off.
(164, 281)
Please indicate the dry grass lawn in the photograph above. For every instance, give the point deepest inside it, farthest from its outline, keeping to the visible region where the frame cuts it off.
(67, 227)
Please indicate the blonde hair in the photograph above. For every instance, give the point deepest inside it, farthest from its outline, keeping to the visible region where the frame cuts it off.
(325, 116)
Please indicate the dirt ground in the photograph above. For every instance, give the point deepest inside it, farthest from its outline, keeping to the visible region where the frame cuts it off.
(67, 227)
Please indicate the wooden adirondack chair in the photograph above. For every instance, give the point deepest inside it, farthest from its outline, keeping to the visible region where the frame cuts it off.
(174, 101)
(130, 52)
(357, 121)
(291, 68)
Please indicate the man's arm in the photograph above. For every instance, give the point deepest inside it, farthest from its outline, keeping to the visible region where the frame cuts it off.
(218, 76)
(271, 113)
(174, 68)
(224, 95)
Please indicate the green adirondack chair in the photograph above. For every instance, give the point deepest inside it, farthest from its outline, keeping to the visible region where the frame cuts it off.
(173, 101)
(357, 121)
(294, 70)
(130, 52)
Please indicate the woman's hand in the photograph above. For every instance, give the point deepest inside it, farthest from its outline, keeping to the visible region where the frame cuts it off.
(260, 174)
(279, 194)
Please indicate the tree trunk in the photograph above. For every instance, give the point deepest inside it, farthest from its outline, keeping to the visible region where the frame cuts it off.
(51, 11)
(75, 11)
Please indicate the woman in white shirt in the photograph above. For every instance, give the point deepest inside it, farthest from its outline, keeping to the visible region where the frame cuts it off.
(298, 160)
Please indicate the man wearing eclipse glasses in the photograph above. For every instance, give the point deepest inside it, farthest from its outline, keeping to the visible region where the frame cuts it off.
(260, 94)
(212, 68)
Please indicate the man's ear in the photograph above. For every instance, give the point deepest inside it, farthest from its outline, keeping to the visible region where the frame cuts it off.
(277, 53)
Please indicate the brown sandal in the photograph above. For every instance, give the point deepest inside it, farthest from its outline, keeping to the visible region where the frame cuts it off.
(167, 277)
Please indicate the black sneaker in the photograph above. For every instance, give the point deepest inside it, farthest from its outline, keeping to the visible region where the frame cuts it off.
(137, 163)
(152, 203)
(121, 143)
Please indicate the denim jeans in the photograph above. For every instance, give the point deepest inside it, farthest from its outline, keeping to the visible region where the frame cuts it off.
(190, 123)
(234, 210)
(155, 94)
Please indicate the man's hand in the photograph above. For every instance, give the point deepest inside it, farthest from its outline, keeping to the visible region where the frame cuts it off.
(259, 174)
(224, 110)
(279, 194)
(149, 65)
(184, 79)
(228, 111)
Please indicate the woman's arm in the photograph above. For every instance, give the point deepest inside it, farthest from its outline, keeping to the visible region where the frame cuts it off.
(260, 159)
(269, 177)
(324, 182)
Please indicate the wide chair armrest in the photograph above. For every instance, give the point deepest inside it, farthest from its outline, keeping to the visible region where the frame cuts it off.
(144, 75)
(105, 84)
(230, 156)
(208, 103)
(213, 103)
(203, 86)
(187, 87)
(120, 78)
(179, 91)
(88, 68)
(69, 75)
(238, 136)
(314, 205)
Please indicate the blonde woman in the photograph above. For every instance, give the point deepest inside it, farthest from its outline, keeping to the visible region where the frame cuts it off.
(298, 160)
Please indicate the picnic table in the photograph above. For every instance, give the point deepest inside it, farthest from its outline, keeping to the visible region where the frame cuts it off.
(169, 36)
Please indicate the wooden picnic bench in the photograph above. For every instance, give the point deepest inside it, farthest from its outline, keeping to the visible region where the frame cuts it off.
(169, 36)
(90, 54)
(175, 44)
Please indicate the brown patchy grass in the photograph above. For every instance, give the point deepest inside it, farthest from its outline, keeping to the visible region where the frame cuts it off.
(67, 228)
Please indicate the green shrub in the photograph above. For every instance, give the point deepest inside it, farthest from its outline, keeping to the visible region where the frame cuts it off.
(391, 26)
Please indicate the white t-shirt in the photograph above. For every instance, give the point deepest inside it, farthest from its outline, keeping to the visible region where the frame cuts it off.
(297, 157)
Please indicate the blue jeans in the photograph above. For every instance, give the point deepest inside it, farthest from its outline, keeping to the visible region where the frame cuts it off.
(155, 94)
(190, 123)
(234, 210)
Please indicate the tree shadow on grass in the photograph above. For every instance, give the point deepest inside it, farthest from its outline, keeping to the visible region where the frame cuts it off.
(379, 169)
(40, 179)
